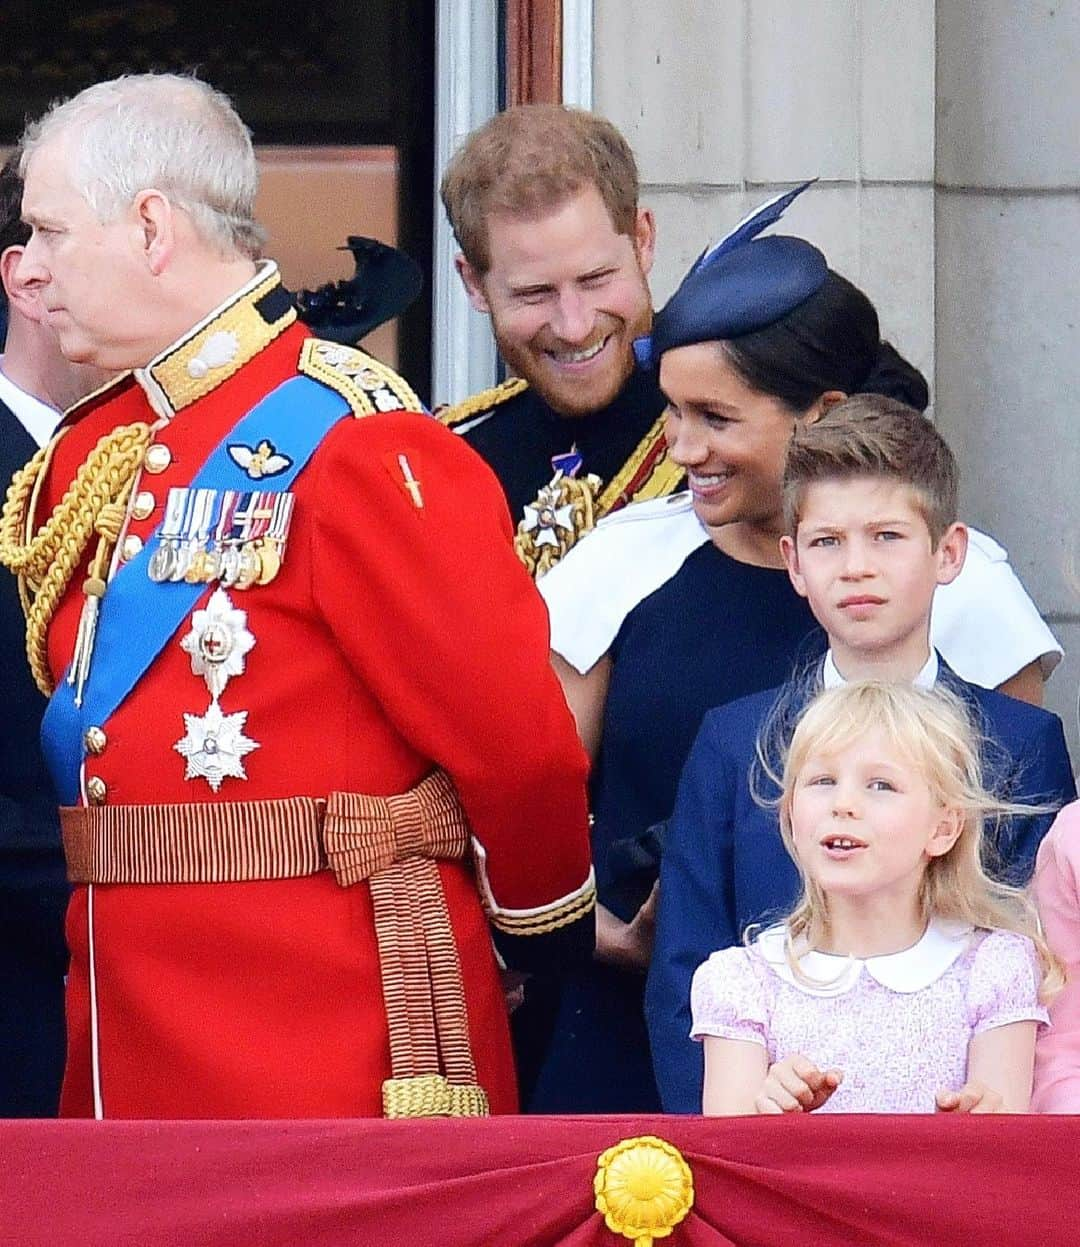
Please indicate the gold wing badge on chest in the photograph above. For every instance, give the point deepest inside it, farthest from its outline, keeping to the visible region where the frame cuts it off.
(564, 511)
(214, 744)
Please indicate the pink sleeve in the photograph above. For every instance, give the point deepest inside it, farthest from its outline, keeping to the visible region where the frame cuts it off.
(727, 999)
(1004, 986)
(1057, 894)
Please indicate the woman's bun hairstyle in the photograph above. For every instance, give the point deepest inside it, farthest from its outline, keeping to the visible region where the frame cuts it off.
(894, 377)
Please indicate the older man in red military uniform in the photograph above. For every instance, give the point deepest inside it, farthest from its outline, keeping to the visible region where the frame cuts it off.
(311, 753)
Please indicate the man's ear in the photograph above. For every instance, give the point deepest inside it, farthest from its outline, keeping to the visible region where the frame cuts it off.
(790, 553)
(473, 284)
(155, 220)
(21, 295)
(951, 552)
(645, 239)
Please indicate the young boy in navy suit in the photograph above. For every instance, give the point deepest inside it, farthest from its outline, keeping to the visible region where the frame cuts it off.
(870, 511)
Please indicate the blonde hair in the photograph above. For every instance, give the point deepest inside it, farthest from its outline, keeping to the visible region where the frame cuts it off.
(933, 732)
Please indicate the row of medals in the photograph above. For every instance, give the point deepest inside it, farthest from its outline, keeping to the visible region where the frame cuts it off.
(236, 565)
(231, 536)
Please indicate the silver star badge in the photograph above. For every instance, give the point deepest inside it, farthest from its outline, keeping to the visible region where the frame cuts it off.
(218, 641)
(545, 516)
(215, 746)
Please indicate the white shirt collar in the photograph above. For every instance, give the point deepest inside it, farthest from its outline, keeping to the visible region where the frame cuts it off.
(927, 677)
(910, 970)
(36, 417)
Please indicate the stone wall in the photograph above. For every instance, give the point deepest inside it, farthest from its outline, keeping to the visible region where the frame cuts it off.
(946, 141)
(1008, 292)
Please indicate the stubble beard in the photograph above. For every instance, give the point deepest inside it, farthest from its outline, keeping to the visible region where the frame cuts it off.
(577, 399)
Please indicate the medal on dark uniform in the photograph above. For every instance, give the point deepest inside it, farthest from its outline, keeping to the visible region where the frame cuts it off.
(562, 513)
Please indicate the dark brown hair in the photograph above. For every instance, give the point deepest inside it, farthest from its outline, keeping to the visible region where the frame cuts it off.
(13, 233)
(831, 341)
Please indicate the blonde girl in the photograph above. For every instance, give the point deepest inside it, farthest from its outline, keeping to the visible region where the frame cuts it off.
(905, 979)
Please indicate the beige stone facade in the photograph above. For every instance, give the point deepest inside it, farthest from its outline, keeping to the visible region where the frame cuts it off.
(945, 135)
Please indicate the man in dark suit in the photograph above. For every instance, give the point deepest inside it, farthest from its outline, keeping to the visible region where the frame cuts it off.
(36, 382)
(870, 513)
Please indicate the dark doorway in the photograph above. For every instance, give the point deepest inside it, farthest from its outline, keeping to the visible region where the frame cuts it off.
(345, 76)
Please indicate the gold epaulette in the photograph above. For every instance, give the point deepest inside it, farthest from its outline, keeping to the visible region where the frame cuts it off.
(484, 401)
(367, 385)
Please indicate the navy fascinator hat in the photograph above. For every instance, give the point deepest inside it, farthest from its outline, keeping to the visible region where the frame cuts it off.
(741, 284)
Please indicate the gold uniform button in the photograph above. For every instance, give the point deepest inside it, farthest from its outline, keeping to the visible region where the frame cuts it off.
(131, 548)
(95, 740)
(96, 790)
(157, 457)
(143, 506)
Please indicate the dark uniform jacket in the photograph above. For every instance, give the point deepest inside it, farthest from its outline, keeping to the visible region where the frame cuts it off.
(515, 430)
(33, 887)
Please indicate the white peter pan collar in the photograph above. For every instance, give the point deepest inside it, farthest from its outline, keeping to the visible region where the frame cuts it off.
(907, 971)
(926, 679)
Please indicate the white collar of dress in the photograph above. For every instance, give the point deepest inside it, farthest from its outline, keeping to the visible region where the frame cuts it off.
(910, 970)
(927, 677)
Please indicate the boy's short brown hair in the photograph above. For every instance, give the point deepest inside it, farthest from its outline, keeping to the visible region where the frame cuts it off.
(529, 160)
(868, 435)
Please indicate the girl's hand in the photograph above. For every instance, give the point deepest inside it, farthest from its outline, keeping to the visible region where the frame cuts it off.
(796, 1085)
(973, 1097)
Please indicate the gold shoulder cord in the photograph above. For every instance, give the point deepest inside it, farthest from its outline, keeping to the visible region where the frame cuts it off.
(484, 401)
(93, 505)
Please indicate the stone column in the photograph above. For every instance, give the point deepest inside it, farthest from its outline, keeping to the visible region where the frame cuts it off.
(957, 210)
(726, 102)
(1008, 292)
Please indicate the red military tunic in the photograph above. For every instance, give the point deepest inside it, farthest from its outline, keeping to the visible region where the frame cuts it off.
(400, 635)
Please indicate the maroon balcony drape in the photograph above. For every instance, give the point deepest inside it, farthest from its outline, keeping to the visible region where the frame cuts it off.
(529, 1181)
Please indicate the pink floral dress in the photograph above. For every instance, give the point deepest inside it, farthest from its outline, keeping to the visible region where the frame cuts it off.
(898, 1026)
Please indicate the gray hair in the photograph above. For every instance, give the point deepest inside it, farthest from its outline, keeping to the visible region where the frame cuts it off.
(167, 132)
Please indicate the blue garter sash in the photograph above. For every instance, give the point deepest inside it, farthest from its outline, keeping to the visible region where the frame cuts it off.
(138, 616)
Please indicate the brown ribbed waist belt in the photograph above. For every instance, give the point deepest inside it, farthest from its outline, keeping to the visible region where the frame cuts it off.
(392, 842)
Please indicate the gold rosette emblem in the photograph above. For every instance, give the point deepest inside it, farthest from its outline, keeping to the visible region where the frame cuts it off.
(643, 1188)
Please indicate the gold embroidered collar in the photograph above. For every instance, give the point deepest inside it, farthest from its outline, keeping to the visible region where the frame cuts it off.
(219, 345)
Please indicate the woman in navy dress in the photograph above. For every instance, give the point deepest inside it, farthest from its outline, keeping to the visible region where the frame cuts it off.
(675, 606)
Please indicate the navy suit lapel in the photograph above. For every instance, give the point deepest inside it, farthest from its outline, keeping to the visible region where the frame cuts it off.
(17, 447)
